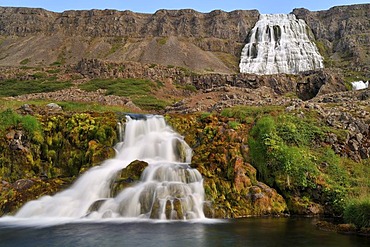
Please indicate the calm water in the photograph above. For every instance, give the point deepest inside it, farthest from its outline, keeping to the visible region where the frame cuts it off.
(244, 232)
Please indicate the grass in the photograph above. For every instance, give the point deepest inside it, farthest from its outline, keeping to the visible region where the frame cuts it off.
(246, 113)
(88, 107)
(138, 90)
(9, 118)
(357, 212)
(67, 106)
(13, 87)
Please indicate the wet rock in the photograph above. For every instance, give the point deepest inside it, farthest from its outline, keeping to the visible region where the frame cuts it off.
(128, 176)
(95, 206)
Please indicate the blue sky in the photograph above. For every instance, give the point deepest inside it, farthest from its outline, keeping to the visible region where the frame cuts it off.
(150, 6)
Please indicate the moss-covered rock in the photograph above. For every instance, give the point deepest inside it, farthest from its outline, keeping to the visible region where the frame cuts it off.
(15, 195)
(220, 154)
(57, 145)
(128, 176)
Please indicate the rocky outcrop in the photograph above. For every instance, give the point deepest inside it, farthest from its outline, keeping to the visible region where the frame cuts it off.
(306, 84)
(230, 182)
(343, 32)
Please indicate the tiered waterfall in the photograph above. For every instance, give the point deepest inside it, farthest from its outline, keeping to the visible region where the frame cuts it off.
(168, 189)
(280, 43)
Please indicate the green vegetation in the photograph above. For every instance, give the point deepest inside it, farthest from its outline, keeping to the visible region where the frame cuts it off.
(14, 87)
(59, 145)
(233, 124)
(188, 87)
(352, 76)
(67, 106)
(357, 212)
(247, 114)
(289, 155)
(11, 119)
(230, 60)
(25, 61)
(277, 156)
(161, 41)
(138, 90)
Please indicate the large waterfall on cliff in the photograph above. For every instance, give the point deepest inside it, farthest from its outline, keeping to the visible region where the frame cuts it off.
(168, 188)
(279, 43)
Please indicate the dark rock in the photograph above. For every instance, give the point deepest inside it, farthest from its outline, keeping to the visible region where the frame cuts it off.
(95, 206)
(364, 95)
(331, 138)
(26, 109)
(23, 184)
(353, 145)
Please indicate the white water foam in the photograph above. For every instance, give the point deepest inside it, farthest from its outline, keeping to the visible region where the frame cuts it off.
(169, 188)
(279, 43)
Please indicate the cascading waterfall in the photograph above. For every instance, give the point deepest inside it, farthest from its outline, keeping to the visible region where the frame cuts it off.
(168, 189)
(280, 43)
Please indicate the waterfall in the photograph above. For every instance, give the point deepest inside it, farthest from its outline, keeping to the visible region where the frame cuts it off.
(168, 188)
(359, 85)
(279, 43)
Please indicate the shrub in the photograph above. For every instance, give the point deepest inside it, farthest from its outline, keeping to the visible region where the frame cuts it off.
(287, 166)
(357, 212)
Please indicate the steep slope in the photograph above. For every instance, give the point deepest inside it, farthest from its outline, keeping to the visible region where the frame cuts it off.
(202, 42)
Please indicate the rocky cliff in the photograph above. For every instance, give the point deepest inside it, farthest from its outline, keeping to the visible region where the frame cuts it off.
(204, 42)
(343, 35)
(185, 38)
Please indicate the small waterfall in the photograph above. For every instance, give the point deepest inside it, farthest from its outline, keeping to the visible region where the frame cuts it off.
(359, 85)
(279, 43)
(168, 189)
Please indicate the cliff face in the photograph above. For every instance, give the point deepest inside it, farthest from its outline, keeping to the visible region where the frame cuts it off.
(203, 42)
(343, 34)
(199, 41)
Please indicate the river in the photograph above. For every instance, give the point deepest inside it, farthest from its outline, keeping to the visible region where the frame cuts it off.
(241, 232)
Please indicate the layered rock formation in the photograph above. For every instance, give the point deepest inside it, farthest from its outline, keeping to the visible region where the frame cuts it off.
(209, 42)
(343, 33)
(182, 38)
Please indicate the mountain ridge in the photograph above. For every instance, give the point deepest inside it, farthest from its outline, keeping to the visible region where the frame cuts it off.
(203, 42)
